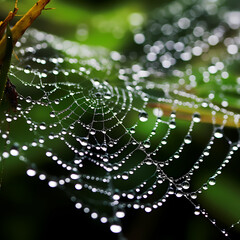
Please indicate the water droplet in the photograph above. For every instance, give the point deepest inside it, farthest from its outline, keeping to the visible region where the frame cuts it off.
(188, 139)
(107, 95)
(197, 211)
(172, 124)
(115, 228)
(148, 161)
(212, 181)
(170, 191)
(78, 186)
(14, 151)
(125, 176)
(176, 155)
(164, 141)
(193, 195)
(148, 209)
(92, 131)
(120, 214)
(218, 133)
(28, 99)
(52, 114)
(205, 186)
(27, 69)
(132, 130)
(143, 116)
(116, 197)
(185, 185)
(49, 153)
(196, 117)
(104, 147)
(42, 126)
(84, 141)
(158, 112)
(103, 219)
(78, 205)
(31, 172)
(147, 144)
(42, 177)
(8, 118)
(179, 193)
(56, 101)
(52, 184)
(74, 176)
(160, 180)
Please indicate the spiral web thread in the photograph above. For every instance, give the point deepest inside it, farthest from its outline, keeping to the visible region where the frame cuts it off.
(112, 137)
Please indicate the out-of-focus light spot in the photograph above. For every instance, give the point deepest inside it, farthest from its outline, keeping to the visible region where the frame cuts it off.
(136, 19)
(233, 19)
(232, 49)
(184, 23)
(31, 172)
(115, 228)
(139, 38)
(213, 40)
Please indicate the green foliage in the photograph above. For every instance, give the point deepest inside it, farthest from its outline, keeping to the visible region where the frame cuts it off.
(125, 108)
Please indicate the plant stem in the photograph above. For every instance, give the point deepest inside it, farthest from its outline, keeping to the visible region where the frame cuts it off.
(6, 63)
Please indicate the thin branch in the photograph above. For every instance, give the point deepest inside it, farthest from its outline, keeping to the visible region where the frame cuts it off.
(21, 26)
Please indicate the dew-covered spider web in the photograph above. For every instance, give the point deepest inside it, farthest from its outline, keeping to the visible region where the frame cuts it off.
(119, 131)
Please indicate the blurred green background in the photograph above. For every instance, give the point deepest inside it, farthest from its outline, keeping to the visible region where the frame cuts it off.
(29, 210)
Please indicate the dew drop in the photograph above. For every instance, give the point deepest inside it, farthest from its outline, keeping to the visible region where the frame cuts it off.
(197, 211)
(196, 117)
(116, 196)
(107, 95)
(147, 144)
(78, 186)
(74, 176)
(78, 205)
(115, 228)
(179, 193)
(14, 151)
(205, 186)
(92, 131)
(148, 209)
(31, 172)
(42, 126)
(52, 114)
(193, 195)
(52, 184)
(164, 141)
(49, 153)
(57, 101)
(28, 99)
(125, 176)
(158, 112)
(185, 185)
(170, 191)
(8, 118)
(212, 181)
(84, 141)
(143, 116)
(42, 177)
(188, 139)
(132, 130)
(5, 154)
(120, 214)
(218, 133)
(172, 124)
(27, 69)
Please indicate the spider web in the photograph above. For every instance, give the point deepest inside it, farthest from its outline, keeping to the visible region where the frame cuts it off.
(116, 135)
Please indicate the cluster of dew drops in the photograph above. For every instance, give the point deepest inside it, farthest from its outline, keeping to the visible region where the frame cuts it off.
(112, 103)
